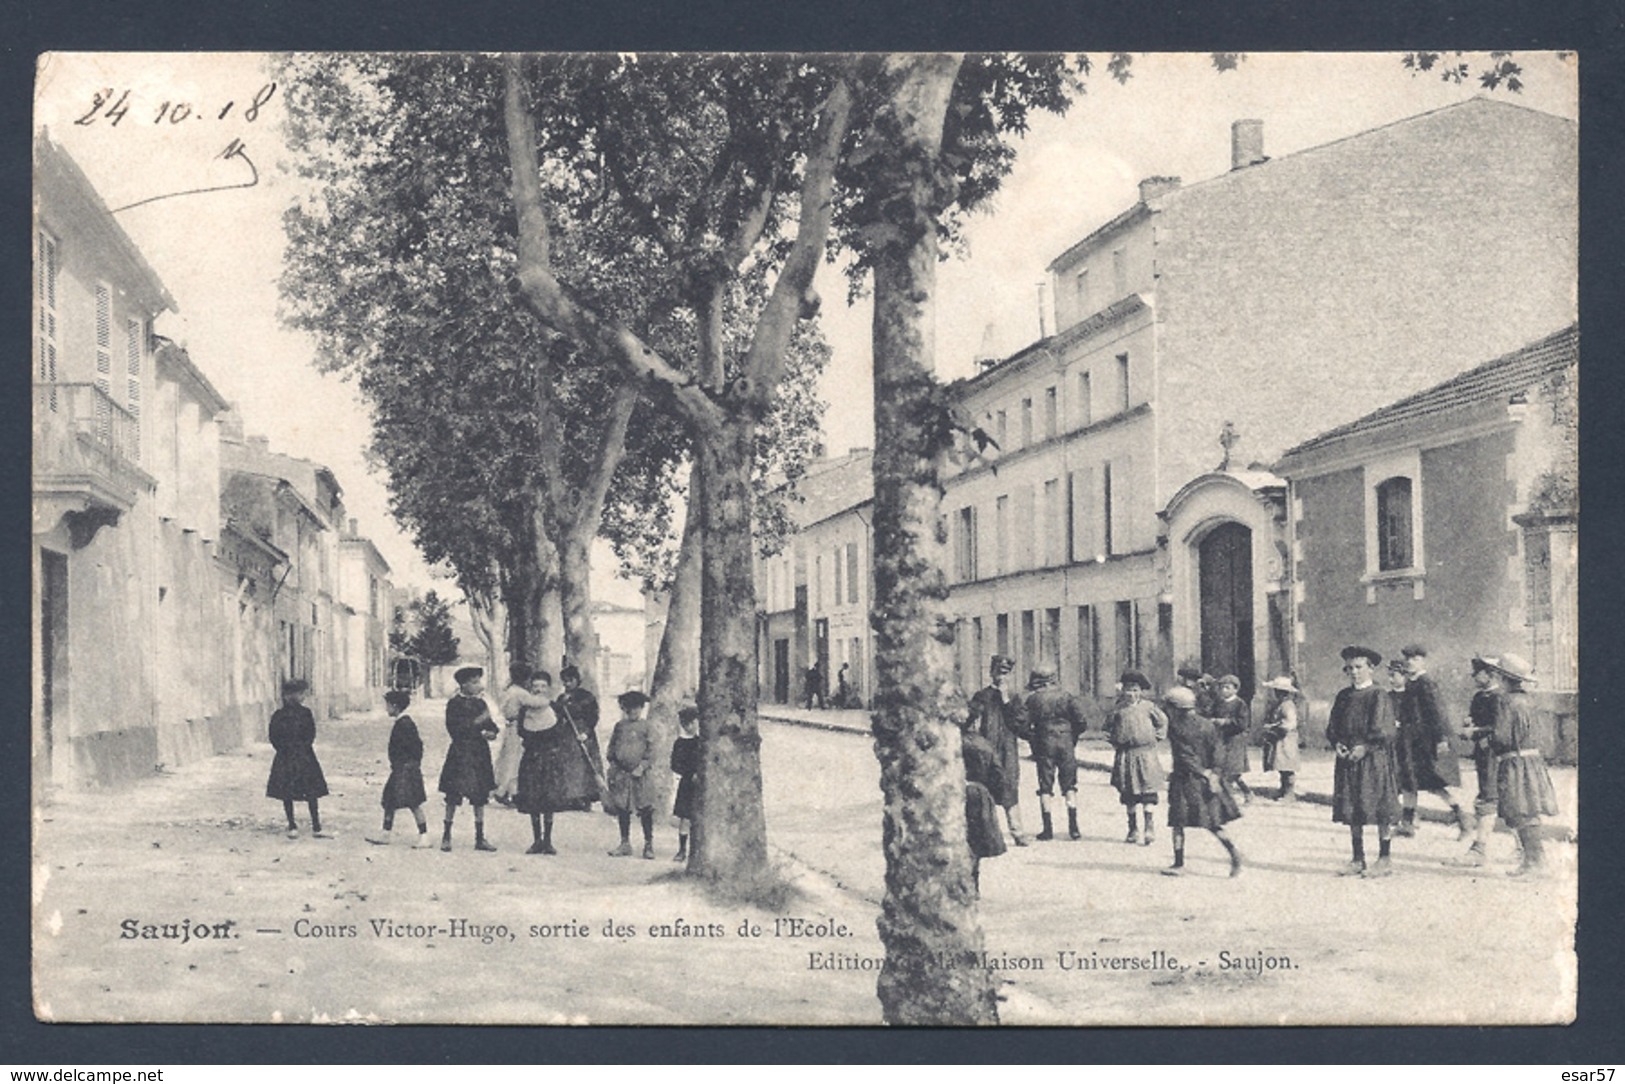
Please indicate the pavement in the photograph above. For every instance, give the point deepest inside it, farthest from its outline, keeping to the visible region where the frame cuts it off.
(1313, 780)
(126, 882)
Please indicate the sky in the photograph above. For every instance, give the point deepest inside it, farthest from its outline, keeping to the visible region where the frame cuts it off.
(219, 252)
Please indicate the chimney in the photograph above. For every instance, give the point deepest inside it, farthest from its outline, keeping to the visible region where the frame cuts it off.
(353, 532)
(986, 356)
(1246, 143)
(1152, 187)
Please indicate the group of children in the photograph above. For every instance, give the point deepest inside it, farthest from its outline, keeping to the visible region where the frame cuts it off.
(1390, 745)
(545, 748)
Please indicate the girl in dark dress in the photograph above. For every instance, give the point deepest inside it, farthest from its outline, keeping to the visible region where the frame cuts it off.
(982, 781)
(537, 729)
(1196, 794)
(296, 774)
(1234, 719)
(1361, 731)
(685, 764)
(404, 788)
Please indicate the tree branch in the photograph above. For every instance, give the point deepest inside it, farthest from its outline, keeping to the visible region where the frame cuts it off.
(547, 296)
(764, 364)
(611, 450)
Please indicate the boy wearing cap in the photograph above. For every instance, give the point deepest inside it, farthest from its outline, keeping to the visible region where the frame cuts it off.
(1482, 713)
(1430, 764)
(631, 753)
(1234, 719)
(467, 771)
(1056, 722)
(1001, 718)
(1523, 786)
(1360, 730)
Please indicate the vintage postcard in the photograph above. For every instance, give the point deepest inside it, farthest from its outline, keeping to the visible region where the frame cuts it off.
(387, 409)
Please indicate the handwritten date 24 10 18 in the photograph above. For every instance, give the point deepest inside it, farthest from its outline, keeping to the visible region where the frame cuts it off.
(104, 106)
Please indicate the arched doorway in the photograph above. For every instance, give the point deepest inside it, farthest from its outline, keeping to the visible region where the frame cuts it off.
(1225, 583)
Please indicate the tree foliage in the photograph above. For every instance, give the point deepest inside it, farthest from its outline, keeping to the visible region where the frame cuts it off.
(434, 644)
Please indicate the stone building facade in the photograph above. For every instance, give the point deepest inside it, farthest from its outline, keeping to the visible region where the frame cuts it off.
(158, 608)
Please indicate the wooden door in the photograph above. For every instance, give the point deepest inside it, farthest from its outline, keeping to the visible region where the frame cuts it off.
(1225, 574)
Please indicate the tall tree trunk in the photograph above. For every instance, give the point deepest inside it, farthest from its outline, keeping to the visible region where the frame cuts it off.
(575, 605)
(730, 829)
(490, 619)
(929, 921)
(676, 669)
(530, 593)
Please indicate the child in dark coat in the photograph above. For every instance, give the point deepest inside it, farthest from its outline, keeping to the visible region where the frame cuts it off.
(467, 772)
(685, 764)
(1196, 794)
(404, 788)
(296, 774)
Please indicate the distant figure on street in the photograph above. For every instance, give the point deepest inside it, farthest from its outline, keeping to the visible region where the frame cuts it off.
(1234, 719)
(982, 781)
(1428, 762)
(815, 687)
(1134, 729)
(1200, 684)
(579, 775)
(404, 787)
(843, 686)
(1055, 722)
(467, 772)
(1281, 734)
(1523, 786)
(1361, 731)
(1482, 715)
(516, 699)
(1196, 798)
(1000, 718)
(296, 774)
(631, 790)
(685, 764)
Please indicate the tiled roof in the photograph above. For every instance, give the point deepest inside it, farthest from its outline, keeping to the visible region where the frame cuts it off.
(832, 486)
(1501, 378)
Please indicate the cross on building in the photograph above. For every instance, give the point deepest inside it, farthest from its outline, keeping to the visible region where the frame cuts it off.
(1228, 439)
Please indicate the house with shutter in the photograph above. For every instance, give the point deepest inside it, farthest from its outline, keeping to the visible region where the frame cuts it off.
(1129, 515)
(1449, 518)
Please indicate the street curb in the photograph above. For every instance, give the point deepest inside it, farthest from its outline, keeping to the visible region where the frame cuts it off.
(1557, 833)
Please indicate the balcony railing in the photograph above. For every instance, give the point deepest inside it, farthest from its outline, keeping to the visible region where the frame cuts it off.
(86, 412)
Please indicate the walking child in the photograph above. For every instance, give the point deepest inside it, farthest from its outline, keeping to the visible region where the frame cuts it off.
(296, 774)
(1196, 796)
(404, 787)
(631, 754)
(1361, 731)
(685, 764)
(467, 772)
(1134, 729)
(1430, 764)
(1523, 786)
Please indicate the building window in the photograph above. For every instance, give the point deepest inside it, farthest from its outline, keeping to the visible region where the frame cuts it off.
(852, 572)
(1128, 642)
(1088, 652)
(1001, 431)
(134, 343)
(1106, 507)
(1052, 405)
(1119, 273)
(1029, 642)
(1085, 406)
(1051, 522)
(1050, 641)
(965, 545)
(1122, 381)
(1081, 290)
(104, 338)
(1394, 524)
(1001, 536)
(818, 585)
(836, 561)
(45, 323)
(1026, 422)
(1003, 634)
